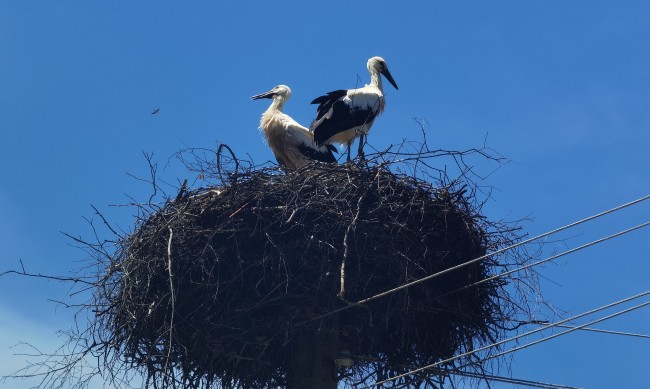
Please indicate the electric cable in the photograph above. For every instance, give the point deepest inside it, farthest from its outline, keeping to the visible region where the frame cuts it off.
(495, 344)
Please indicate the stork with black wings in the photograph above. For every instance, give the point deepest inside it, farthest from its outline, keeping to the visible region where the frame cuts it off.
(347, 113)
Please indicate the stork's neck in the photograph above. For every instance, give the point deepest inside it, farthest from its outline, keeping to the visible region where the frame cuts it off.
(277, 104)
(375, 79)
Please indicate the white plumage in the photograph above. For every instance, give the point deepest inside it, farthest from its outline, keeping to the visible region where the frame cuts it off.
(292, 144)
(344, 114)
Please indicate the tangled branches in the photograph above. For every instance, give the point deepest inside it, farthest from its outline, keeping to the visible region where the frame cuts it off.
(223, 285)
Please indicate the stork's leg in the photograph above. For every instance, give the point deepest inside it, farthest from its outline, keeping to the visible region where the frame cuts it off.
(349, 145)
(362, 140)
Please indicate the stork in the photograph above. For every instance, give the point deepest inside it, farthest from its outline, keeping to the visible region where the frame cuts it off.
(292, 144)
(344, 114)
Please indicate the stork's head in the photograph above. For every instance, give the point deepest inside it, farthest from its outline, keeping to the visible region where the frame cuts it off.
(280, 91)
(377, 64)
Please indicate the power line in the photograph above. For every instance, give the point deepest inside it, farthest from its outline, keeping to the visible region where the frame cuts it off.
(571, 329)
(431, 276)
(592, 243)
(484, 376)
(552, 257)
(418, 281)
(407, 285)
(510, 380)
(462, 355)
(619, 313)
(606, 331)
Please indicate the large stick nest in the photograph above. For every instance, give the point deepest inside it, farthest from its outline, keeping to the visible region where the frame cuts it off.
(214, 286)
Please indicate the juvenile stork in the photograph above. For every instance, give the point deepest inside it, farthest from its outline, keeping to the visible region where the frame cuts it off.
(347, 113)
(292, 144)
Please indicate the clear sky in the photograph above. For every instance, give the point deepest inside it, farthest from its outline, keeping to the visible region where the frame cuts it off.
(562, 89)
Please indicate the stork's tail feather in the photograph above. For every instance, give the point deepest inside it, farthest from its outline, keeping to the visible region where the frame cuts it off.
(319, 138)
(321, 154)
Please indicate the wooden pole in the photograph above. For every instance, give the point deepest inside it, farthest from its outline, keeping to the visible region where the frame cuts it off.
(311, 360)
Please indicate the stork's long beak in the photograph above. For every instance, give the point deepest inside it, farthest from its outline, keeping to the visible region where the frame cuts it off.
(265, 95)
(389, 77)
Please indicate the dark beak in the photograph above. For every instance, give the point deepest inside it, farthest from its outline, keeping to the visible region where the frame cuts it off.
(388, 76)
(265, 95)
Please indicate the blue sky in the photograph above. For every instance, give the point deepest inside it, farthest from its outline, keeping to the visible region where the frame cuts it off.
(560, 88)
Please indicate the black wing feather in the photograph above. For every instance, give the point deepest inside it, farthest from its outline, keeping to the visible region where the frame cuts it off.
(325, 102)
(335, 116)
(317, 155)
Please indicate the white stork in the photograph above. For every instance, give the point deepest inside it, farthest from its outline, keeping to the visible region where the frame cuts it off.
(345, 114)
(292, 144)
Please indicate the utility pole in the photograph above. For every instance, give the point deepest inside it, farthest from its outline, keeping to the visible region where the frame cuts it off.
(313, 350)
